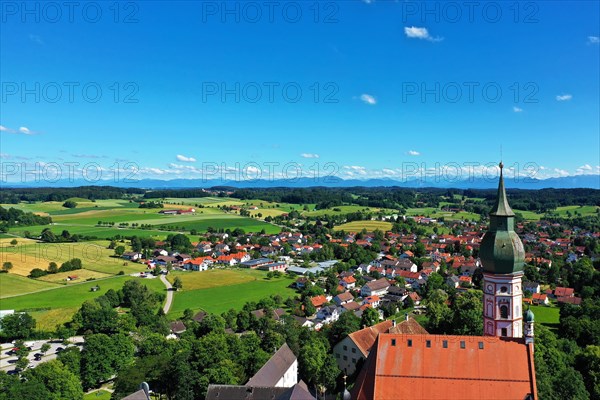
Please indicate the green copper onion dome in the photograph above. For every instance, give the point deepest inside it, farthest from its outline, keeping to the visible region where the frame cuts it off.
(501, 251)
(529, 317)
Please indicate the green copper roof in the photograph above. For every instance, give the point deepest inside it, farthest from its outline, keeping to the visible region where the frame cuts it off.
(501, 207)
(501, 251)
(529, 317)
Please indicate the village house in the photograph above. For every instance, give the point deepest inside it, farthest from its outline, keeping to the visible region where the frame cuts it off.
(132, 256)
(328, 314)
(348, 282)
(540, 299)
(378, 287)
(343, 298)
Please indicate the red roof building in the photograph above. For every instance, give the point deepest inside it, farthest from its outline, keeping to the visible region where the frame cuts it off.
(406, 366)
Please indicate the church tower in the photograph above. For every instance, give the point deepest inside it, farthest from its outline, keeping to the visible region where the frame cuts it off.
(502, 255)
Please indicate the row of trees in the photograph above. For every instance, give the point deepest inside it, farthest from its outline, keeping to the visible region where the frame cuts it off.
(53, 268)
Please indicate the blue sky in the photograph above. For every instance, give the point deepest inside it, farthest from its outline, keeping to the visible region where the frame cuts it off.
(191, 90)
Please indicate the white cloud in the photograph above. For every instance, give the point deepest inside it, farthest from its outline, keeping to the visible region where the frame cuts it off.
(517, 109)
(420, 33)
(185, 159)
(564, 97)
(3, 129)
(368, 99)
(25, 130)
(309, 155)
(561, 172)
(593, 39)
(368, 1)
(4, 155)
(352, 170)
(413, 153)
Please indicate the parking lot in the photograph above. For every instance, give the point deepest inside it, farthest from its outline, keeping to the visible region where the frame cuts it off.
(8, 359)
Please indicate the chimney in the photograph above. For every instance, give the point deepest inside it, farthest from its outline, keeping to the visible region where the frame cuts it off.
(406, 316)
(393, 323)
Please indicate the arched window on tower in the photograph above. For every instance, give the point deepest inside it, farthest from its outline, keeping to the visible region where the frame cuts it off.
(503, 311)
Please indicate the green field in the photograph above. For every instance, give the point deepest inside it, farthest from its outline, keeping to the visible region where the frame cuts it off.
(225, 295)
(370, 226)
(194, 280)
(548, 316)
(54, 306)
(98, 395)
(339, 210)
(11, 285)
(529, 215)
(228, 221)
(581, 210)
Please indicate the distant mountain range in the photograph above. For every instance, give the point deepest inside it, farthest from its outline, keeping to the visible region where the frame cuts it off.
(570, 182)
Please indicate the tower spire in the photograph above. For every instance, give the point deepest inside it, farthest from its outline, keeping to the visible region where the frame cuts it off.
(501, 207)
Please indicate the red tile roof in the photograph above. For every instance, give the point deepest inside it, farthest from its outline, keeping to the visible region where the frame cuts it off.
(365, 338)
(404, 367)
(318, 301)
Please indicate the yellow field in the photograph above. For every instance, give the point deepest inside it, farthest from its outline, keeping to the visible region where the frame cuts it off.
(82, 275)
(267, 212)
(30, 254)
(48, 319)
(370, 226)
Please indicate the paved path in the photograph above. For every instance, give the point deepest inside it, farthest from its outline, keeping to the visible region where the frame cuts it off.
(169, 300)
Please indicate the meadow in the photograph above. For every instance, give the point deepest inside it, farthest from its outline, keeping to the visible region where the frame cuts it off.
(54, 305)
(221, 290)
(370, 226)
(95, 256)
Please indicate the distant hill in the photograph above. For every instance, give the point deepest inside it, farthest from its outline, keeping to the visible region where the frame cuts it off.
(570, 182)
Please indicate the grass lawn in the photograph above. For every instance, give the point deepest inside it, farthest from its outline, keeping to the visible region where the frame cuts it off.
(54, 306)
(89, 230)
(581, 210)
(548, 316)
(229, 221)
(194, 280)
(529, 215)
(370, 226)
(219, 299)
(97, 395)
(342, 210)
(11, 285)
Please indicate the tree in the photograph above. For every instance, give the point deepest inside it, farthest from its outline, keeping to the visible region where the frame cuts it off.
(345, 325)
(45, 347)
(69, 204)
(438, 313)
(588, 364)
(119, 250)
(14, 242)
(17, 326)
(59, 381)
(22, 363)
(370, 317)
(309, 308)
(316, 365)
(97, 316)
(467, 309)
(177, 283)
(52, 268)
(7, 266)
(103, 356)
(71, 359)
